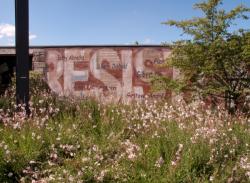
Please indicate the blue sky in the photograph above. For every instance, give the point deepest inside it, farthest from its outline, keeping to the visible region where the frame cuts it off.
(84, 22)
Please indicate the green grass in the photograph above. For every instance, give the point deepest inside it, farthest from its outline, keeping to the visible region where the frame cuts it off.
(87, 141)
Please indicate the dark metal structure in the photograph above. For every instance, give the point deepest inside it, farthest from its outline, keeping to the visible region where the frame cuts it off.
(22, 52)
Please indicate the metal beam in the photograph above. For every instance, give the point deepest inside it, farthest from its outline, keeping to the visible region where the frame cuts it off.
(22, 52)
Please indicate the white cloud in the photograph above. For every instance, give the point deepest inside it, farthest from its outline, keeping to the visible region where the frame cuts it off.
(32, 36)
(8, 31)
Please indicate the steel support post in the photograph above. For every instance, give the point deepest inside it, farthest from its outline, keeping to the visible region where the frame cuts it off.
(22, 52)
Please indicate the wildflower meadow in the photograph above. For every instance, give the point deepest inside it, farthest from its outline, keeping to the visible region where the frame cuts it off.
(72, 140)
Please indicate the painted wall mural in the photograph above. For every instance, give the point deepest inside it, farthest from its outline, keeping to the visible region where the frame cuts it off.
(118, 74)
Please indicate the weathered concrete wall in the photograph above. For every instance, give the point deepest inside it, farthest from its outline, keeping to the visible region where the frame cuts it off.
(110, 74)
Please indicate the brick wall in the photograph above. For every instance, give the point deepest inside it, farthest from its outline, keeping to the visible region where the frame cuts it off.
(109, 73)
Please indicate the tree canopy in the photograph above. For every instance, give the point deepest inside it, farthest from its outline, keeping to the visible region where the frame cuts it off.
(215, 62)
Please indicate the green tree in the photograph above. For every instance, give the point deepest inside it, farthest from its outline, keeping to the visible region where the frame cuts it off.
(215, 62)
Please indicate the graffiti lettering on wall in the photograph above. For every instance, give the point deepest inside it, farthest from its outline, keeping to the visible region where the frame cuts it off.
(115, 74)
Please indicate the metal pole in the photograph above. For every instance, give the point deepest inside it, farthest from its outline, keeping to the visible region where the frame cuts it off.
(22, 52)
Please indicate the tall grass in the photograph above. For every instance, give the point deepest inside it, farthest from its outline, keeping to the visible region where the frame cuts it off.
(72, 140)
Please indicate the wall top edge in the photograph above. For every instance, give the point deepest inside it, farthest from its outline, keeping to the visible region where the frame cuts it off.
(91, 46)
